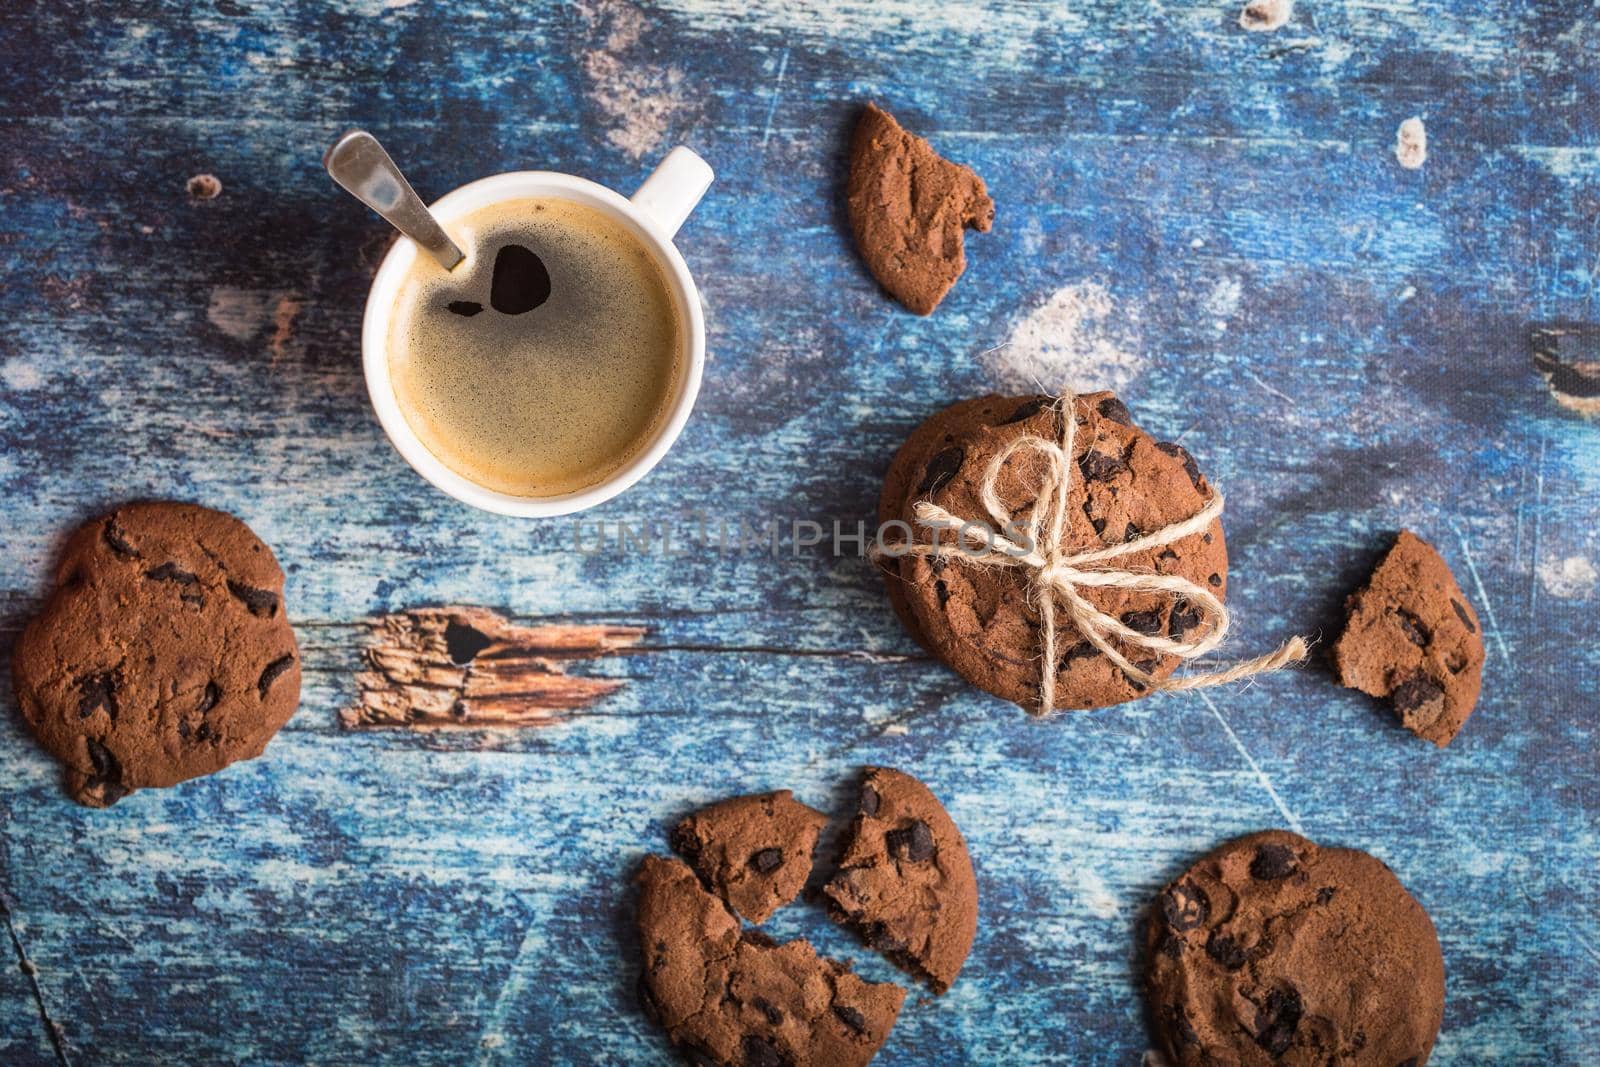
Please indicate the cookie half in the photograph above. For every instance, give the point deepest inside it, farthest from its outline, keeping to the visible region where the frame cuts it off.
(905, 882)
(736, 999)
(755, 852)
(164, 652)
(982, 621)
(1273, 951)
(1411, 637)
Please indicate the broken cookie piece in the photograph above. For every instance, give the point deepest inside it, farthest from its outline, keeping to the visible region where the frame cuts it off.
(908, 209)
(754, 852)
(737, 999)
(1411, 637)
(905, 882)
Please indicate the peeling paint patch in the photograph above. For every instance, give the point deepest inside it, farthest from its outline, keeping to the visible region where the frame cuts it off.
(239, 313)
(1262, 16)
(21, 375)
(1077, 339)
(1411, 143)
(642, 101)
(455, 668)
(1571, 578)
(1223, 300)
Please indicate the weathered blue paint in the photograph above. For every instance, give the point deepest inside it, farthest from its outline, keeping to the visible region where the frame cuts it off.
(1340, 341)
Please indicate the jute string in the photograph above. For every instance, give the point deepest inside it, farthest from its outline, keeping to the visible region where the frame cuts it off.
(1057, 577)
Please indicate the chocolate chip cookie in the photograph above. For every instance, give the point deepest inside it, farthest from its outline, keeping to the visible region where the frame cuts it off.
(982, 621)
(754, 852)
(905, 881)
(1411, 636)
(1271, 950)
(735, 998)
(908, 209)
(163, 653)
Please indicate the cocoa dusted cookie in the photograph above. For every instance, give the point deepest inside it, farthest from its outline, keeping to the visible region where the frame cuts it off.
(163, 653)
(1411, 636)
(905, 881)
(754, 852)
(908, 209)
(981, 621)
(736, 999)
(1273, 951)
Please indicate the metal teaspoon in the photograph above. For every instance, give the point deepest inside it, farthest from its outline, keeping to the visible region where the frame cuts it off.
(360, 165)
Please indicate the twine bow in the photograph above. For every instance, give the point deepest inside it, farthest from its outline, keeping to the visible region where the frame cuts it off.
(1057, 577)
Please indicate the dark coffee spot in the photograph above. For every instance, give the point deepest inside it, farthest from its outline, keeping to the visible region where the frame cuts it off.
(1461, 613)
(520, 282)
(1189, 465)
(1185, 906)
(941, 468)
(762, 1052)
(1415, 692)
(1185, 617)
(1028, 409)
(1412, 627)
(466, 308)
(942, 591)
(767, 860)
(98, 691)
(271, 673)
(463, 643)
(262, 603)
(851, 1018)
(1143, 622)
(767, 1008)
(914, 842)
(869, 800)
(209, 698)
(1214, 580)
(1272, 862)
(188, 584)
(1277, 1020)
(118, 542)
(1228, 953)
(1099, 467)
(1115, 410)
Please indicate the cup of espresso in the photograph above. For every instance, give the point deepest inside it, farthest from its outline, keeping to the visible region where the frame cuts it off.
(558, 362)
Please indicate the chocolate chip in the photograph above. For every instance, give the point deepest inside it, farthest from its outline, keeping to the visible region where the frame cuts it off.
(684, 842)
(1415, 692)
(462, 643)
(1326, 893)
(183, 729)
(1277, 1020)
(1099, 467)
(851, 1018)
(1081, 650)
(117, 541)
(1461, 613)
(520, 281)
(914, 842)
(209, 698)
(1143, 622)
(1115, 410)
(271, 672)
(1189, 464)
(1272, 862)
(869, 800)
(763, 1052)
(1412, 627)
(1185, 617)
(106, 767)
(880, 938)
(1185, 906)
(942, 591)
(941, 468)
(1228, 953)
(1178, 1021)
(467, 308)
(189, 584)
(262, 603)
(1215, 580)
(1411, 1062)
(767, 1008)
(98, 691)
(1028, 409)
(1131, 532)
(204, 732)
(1166, 555)
(767, 860)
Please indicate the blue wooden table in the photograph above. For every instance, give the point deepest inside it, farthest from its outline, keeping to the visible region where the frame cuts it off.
(1212, 220)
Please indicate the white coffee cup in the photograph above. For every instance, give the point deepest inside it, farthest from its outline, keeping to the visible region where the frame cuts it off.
(652, 215)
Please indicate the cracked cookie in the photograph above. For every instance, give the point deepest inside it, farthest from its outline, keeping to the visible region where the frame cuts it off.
(162, 654)
(1411, 637)
(981, 621)
(905, 882)
(754, 852)
(908, 209)
(735, 998)
(1271, 950)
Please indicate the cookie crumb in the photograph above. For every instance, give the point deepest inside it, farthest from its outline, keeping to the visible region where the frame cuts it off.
(1261, 16)
(204, 187)
(1411, 143)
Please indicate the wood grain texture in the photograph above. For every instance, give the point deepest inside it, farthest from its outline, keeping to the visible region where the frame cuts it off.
(1212, 218)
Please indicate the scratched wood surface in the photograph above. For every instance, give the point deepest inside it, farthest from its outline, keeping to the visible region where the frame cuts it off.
(1212, 220)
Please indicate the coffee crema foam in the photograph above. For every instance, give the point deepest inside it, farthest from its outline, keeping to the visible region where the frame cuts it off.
(550, 400)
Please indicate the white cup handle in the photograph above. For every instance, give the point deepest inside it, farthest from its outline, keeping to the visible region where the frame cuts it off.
(673, 189)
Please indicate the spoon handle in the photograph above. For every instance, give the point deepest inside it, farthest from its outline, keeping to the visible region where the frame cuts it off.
(358, 163)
